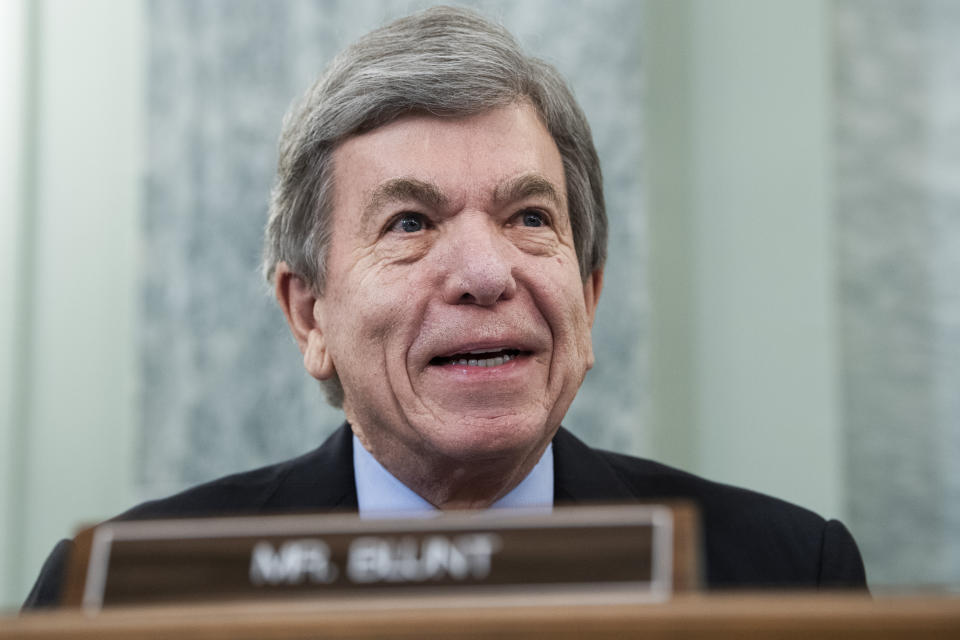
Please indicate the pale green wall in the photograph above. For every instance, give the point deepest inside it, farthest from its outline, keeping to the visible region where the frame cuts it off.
(70, 433)
(743, 300)
(13, 30)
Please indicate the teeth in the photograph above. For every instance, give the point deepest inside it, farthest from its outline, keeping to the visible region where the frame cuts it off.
(484, 362)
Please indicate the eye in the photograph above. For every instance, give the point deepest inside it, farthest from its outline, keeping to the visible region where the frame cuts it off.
(532, 218)
(409, 223)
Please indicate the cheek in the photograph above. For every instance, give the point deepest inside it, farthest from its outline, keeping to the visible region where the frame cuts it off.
(579, 327)
(376, 316)
(565, 311)
(366, 322)
(557, 284)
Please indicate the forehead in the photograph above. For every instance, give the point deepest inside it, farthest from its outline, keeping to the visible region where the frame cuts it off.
(469, 160)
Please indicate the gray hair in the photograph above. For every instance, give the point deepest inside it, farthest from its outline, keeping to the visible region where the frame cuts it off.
(443, 61)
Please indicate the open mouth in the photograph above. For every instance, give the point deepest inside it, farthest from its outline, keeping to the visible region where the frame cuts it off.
(483, 358)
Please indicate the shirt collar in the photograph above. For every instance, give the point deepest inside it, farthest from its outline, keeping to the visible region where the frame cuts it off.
(380, 494)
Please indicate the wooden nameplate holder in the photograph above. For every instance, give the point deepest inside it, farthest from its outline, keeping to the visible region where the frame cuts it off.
(608, 554)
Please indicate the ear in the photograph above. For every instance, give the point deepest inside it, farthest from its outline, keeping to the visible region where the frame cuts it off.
(591, 293)
(303, 311)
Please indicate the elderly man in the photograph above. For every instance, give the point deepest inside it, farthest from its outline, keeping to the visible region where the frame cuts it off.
(436, 241)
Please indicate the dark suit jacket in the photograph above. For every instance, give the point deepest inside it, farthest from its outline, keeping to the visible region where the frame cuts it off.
(750, 540)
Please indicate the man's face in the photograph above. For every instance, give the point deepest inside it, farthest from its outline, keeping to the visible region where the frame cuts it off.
(454, 311)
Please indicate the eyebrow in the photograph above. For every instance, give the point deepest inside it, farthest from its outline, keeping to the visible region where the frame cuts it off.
(407, 189)
(527, 186)
(404, 190)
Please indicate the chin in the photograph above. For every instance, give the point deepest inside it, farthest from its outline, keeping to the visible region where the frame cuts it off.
(492, 436)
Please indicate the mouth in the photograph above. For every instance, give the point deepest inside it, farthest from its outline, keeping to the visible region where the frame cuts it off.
(479, 358)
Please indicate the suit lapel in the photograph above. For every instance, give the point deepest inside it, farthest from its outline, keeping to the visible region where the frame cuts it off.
(581, 475)
(321, 480)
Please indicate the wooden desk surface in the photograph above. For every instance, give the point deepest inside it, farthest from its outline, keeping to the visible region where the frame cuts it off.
(793, 616)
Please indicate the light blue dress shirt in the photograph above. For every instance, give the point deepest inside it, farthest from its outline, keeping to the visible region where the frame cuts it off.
(381, 495)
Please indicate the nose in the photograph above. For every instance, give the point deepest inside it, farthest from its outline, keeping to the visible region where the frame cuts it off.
(479, 267)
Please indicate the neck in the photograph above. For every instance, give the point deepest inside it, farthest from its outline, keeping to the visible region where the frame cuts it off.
(468, 486)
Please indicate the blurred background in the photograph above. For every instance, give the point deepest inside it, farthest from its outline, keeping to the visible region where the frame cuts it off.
(782, 300)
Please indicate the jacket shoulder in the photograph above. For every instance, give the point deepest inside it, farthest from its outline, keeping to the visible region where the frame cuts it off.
(321, 479)
(238, 493)
(750, 538)
(648, 478)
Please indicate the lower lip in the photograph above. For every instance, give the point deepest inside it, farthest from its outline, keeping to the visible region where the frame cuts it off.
(478, 373)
